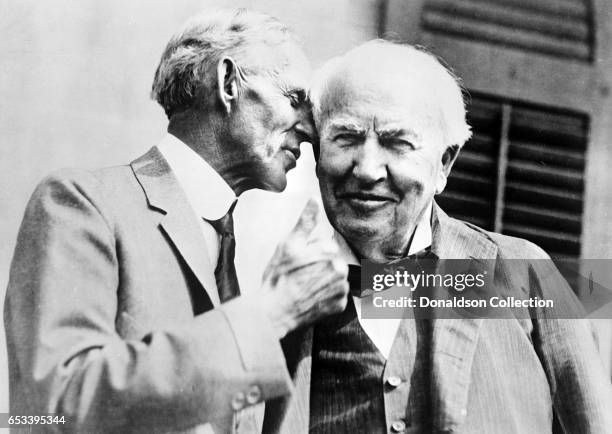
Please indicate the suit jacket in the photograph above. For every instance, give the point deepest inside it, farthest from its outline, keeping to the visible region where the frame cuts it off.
(487, 375)
(112, 314)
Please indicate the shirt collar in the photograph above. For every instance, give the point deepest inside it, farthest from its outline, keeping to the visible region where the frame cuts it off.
(207, 192)
(420, 241)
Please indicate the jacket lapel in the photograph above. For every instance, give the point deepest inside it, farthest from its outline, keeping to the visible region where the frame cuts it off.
(164, 194)
(291, 414)
(454, 341)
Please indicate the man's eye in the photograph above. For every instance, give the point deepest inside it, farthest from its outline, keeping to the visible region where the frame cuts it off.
(398, 143)
(345, 138)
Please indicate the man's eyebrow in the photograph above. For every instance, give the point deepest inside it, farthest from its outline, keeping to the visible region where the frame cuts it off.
(346, 127)
(392, 132)
(296, 91)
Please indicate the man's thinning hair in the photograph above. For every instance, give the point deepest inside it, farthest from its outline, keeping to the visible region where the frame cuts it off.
(409, 62)
(186, 70)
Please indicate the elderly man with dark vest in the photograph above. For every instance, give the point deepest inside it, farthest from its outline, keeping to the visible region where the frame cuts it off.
(391, 121)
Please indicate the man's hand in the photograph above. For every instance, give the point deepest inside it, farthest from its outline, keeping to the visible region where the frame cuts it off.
(305, 280)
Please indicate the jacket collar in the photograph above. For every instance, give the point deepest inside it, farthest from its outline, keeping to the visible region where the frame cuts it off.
(192, 172)
(164, 194)
(454, 239)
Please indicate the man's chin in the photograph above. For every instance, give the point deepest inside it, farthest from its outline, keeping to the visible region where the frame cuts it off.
(359, 229)
(278, 187)
(275, 184)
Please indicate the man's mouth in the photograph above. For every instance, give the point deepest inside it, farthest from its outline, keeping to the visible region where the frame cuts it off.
(367, 201)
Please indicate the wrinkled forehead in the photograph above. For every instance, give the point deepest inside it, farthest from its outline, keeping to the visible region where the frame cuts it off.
(381, 98)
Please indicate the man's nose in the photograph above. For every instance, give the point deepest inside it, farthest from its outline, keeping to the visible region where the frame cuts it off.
(369, 162)
(305, 128)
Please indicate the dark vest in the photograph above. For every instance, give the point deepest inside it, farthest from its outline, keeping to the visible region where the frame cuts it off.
(346, 390)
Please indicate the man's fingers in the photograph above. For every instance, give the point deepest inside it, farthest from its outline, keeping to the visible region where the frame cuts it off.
(322, 245)
(307, 221)
(321, 273)
(311, 262)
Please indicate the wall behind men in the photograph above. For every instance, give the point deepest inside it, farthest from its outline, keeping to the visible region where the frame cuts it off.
(74, 92)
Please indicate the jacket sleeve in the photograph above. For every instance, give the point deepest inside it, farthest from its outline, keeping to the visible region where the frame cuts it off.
(580, 388)
(65, 356)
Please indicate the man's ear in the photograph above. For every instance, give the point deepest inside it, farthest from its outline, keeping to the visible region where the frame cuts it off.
(227, 83)
(448, 159)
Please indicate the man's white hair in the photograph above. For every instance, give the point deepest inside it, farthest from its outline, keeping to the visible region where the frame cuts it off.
(187, 65)
(423, 70)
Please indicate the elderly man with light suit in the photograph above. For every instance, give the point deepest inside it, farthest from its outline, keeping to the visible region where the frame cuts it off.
(391, 121)
(123, 311)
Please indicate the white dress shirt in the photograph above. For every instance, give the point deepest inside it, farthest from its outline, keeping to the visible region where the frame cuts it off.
(382, 331)
(207, 192)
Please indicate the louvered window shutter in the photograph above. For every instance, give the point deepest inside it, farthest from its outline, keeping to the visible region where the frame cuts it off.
(470, 191)
(522, 174)
(559, 28)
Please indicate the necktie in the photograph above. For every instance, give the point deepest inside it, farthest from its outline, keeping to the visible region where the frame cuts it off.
(354, 272)
(225, 271)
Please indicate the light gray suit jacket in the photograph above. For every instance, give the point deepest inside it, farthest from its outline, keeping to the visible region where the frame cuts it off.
(487, 375)
(111, 315)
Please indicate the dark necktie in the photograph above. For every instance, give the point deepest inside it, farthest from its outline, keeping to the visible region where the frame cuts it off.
(225, 271)
(354, 272)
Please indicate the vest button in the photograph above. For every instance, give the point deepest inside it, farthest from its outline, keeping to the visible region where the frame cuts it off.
(238, 401)
(394, 381)
(398, 426)
(254, 395)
